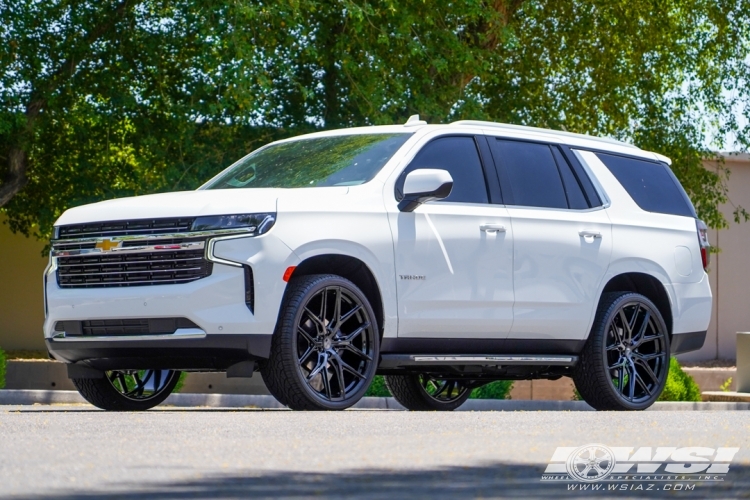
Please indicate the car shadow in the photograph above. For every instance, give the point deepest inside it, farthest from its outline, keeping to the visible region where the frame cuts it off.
(497, 480)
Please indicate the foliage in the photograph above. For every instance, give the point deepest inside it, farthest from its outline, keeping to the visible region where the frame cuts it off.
(499, 389)
(2, 369)
(680, 386)
(378, 388)
(726, 386)
(126, 97)
(180, 383)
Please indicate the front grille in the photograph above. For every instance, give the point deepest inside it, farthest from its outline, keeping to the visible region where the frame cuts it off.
(130, 326)
(132, 269)
(126, 228)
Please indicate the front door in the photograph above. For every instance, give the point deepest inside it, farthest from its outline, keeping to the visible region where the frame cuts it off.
(454, 258)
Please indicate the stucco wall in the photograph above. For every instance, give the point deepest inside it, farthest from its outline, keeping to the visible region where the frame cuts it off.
(21, 298)
(21, 268)
(730, 269)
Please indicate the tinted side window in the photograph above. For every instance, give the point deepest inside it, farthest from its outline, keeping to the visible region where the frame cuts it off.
(573, 189)
(459, 156)
(532, 173)
(651, 185)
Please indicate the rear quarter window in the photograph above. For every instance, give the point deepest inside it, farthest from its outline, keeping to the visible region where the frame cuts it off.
(652, 185)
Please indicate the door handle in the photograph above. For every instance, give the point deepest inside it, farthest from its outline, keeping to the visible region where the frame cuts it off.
(590, 234)
(492, 228)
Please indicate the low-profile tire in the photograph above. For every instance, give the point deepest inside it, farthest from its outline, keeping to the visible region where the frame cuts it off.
(421, 392)
(326, 346)
(625, 361)
(129, 390)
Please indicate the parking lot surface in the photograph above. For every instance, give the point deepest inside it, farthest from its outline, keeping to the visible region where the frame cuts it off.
(76, 451)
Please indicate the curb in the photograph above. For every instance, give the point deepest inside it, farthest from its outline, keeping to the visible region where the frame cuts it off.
(29, 397)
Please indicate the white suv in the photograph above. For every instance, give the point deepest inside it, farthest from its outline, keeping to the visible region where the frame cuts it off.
(441, 256)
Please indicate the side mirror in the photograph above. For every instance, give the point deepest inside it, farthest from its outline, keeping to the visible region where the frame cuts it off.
(425, 185)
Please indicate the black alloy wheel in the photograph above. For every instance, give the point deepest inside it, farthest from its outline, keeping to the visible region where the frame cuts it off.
(424, 392)
(625, 362)
(325, 351)
(128, 390)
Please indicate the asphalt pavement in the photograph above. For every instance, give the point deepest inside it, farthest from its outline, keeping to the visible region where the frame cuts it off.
(67, 452)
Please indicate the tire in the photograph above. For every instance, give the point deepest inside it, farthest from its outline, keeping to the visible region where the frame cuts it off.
(420, 392)
(143, 389)
(325, 350)
(625, 361)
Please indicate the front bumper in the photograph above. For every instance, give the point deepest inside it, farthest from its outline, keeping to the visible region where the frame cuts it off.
(216, 303)
(199, 353)
(225, 331)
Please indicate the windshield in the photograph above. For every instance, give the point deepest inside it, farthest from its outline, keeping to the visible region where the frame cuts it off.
(344, 160)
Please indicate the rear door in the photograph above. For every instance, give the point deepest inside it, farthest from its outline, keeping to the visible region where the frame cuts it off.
(562, 239)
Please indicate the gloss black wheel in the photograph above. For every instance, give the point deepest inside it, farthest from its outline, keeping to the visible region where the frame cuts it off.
(423, 392)
(625, 362)
(128, 390)
(325, 350)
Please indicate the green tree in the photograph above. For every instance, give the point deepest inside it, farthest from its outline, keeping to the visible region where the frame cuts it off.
(115, 98)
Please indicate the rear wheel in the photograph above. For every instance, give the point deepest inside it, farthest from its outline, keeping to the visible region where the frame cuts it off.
(625, 362)
(422, 392)
(128, 390)
(325, 350)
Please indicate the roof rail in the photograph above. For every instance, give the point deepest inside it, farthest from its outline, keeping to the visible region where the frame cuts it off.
(523, 128)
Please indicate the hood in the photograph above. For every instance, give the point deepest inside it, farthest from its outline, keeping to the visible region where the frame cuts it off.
(190, 204)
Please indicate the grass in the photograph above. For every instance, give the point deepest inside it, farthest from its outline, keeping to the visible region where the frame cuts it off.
(13, 355)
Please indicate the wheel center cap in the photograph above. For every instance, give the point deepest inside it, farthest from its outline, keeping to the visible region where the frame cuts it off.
(327, 344)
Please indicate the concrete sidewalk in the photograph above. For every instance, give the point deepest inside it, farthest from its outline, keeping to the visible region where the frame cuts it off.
(30, 397)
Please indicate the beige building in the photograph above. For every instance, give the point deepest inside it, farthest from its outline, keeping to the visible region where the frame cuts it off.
(21, 268)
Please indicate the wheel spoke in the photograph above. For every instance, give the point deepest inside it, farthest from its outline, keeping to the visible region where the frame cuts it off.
(123, 382)
(647, 369)
(324, 307)
(648, 357)
(346, 366)
(336, 319)
(650, 338)
(625, 326)
(620, 362)
(621, 379)
(343, 319)
(327, 384)
(316, 320)
(631, 380)
(641, 382)
(320, 366)
(307, 336)
(306, 354)
(355, 333)
(356, 351)
(642, 330)
(337, 366)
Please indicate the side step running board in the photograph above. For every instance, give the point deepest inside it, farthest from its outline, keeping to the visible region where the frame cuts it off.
(404, 360)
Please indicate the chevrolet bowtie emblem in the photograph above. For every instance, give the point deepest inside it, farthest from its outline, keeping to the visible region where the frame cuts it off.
(107, 245)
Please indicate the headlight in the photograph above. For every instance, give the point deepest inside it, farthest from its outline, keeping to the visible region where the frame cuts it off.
(254, 223)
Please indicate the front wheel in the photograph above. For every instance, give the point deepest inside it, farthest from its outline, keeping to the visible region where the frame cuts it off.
(625, 362)
(422, 392)
(325, 350)
(128, 390)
